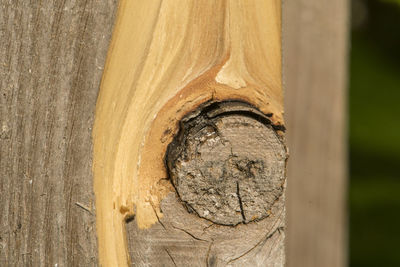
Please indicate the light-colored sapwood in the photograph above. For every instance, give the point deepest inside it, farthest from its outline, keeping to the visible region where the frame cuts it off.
(165, 59)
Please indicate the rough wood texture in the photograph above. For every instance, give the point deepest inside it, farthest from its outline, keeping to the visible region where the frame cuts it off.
(182, 239)
(315, 71)
(227, 163)
(220, 147)
(165, 60)
(51, 59)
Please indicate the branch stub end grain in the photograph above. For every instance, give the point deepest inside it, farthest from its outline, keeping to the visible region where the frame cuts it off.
(227, 163)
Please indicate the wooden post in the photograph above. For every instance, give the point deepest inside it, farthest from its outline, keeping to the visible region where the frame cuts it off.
(202, 79)
(52, 55)
(170, 63)
(315, 70)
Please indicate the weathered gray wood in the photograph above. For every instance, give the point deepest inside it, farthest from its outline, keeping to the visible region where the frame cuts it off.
(213, 221)
(52, 55)
(315, 66)
(228, 163)
(183, 239)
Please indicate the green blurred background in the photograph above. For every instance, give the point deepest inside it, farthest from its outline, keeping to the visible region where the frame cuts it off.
(375, 133)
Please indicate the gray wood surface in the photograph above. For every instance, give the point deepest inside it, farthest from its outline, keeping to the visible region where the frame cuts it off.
(315, 73)
(224, 225)
(52, 55)
(227, 163)
(184, 239)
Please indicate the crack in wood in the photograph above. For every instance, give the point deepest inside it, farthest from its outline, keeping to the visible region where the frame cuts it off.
(190, 234)
(208, 226)
(227, 163)
(170, 256)
(158, 217)
(208, 254)
(240, 201)
(261, 242)
(266, 237)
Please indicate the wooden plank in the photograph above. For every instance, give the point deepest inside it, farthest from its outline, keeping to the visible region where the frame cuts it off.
(315, 71)
(52, 55)
(166, 60)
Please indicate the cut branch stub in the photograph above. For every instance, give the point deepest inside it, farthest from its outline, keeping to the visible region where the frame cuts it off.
(227, 163)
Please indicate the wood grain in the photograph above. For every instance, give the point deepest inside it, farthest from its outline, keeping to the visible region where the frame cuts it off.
(182, 239)
(51, 59)
(167, 58)
(227, 163)
(52, 55)
(315, 70)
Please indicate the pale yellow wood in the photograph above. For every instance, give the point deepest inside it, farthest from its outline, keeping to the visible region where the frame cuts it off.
(166, 58)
